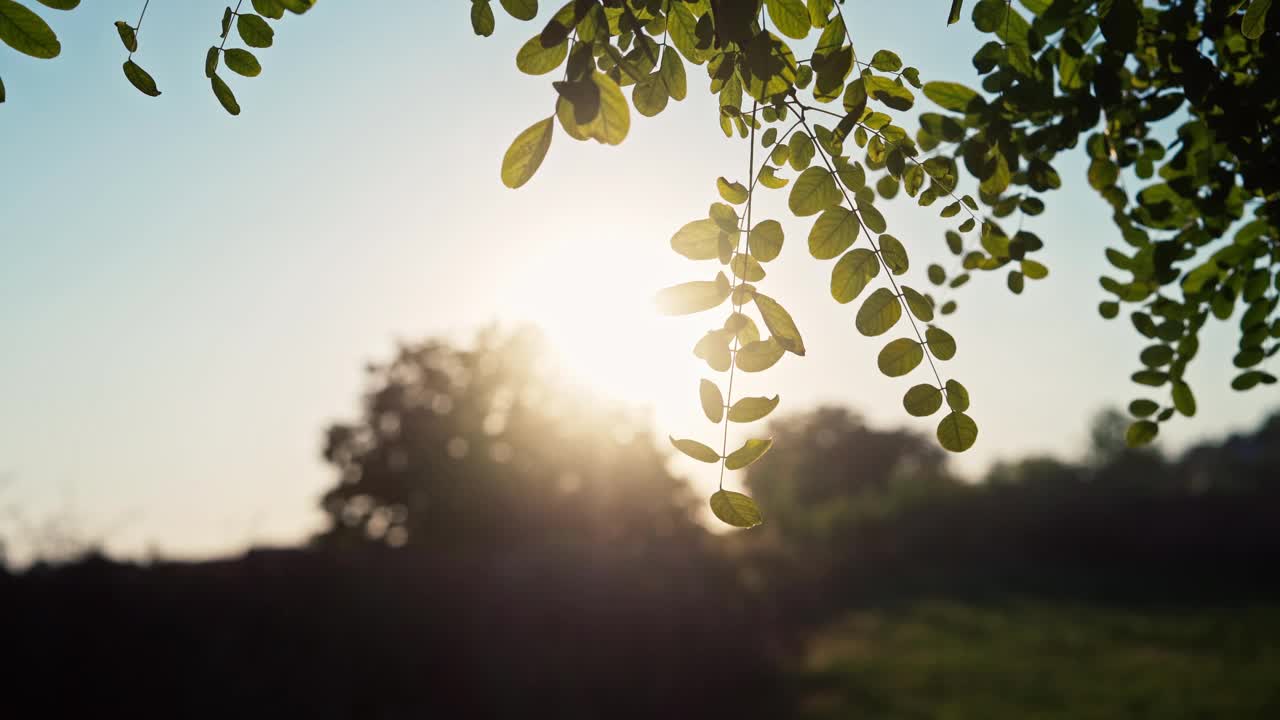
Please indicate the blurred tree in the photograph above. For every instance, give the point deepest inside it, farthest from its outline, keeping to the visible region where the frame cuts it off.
(831, 469)
(489, 447)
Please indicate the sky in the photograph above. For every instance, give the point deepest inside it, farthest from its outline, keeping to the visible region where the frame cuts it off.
(187, 299)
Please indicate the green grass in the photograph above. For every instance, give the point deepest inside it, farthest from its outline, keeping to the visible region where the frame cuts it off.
(1034, 660)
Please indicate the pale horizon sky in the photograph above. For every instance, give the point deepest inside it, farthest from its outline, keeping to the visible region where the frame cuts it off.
(187, 299)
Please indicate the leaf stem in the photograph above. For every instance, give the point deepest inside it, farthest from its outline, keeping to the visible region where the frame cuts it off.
(822, 153)
(737, 307)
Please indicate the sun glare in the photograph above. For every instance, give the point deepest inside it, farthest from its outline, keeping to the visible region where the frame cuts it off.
(603, 328)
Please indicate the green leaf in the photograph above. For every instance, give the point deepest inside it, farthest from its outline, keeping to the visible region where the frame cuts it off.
(1255, 19)
(714, 349)
(747, 454)
(672, 73)
(693, 297)
(242, 62)
(61, 4)
(650, 96)
(521, 9)
(900, 357)
(297, 7)
(226, 21)
(612, 121)
(535, 59)
(750, 409)
(211, 62)
(712, 401)
(941, 344)
(951, 96)
(254, 31)
(1, 90)
(879, 313)
(26, 32)
(1183, 399)
(695, 450)
(814, 191)
(833, 232)
(957, 396)
(743, 327)
(269, 8)
(759, 356)
(871, 217)
(140, 79)
(922, 400)
(1143, 408)
(917, 304)
(770, 180)
(481, 18)
(894, 254)
(1141, 433)
(789, 16)
(889, 92)
(956, 7)
(127, 36)
(765, 241)
(747, 268)
(698, 240)
(886, 61)
(724, 216)
(732, 192)
(1120, 25)
(780, 324)
(735, 509)
(852, 273)
(224, 95)
(526, 153)
(957, 432)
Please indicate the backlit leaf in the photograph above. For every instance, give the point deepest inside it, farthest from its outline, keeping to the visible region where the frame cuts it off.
(526, 153)
(242, 62)
(712, 401)
(852, 273)
(521, 9)
(224, 95)
(695, 450)
(922, 400)
(140, 78)
(833, 232)
(894, 254)
(698, 240)
(814, 191)
(26, 32)
(535, 59)
(1141, 433)
(941, 344)
(693, 297)
(900, 357)
(780, 324)
(765, 240)
(254, 31)
(732, 192)
(127, 36)
(879, 313)
(759, 356)
(747, 454)
(957, 432)
(957, 396)
(789, 16)
(750, 409)
(736, 509)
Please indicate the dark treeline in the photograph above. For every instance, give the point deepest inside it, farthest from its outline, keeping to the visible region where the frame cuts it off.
(501, 543)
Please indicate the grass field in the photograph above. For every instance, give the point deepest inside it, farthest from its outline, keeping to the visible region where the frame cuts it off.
(947, 661)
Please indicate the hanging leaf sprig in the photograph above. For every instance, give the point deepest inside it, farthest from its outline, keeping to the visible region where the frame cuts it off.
(140, 78)
(255, 32)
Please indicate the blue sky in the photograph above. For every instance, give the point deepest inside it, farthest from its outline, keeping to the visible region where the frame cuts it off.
(187, 298)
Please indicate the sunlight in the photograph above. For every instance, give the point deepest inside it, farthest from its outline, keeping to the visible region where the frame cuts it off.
(603, 328)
